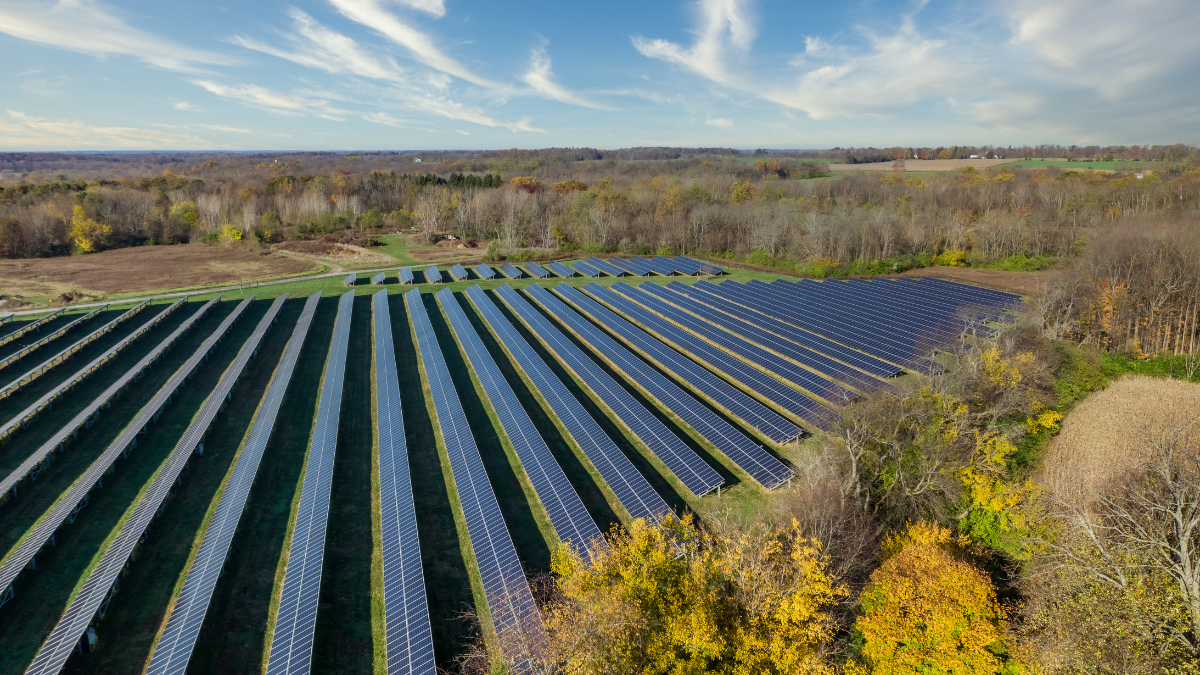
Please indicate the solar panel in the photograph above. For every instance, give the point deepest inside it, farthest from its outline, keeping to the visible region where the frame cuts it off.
(174, 648)
(744, 452)
(377, 280)
(813, 341)
(98, 586)
(655, 266)
(33, 325)
(536, 271)
(42, 368)
(586, 269)
(76, 496)
(457, 272)
(28, 349)
(704, 268)
(734, 368)
(350, 280)
(514, 613)
(609, 269)
(681, 460)
(406, 275)
(509, 270)
(630, 267)
(408, 637)
(296, 620)
(630, 487)
(484, 272)
(730, 398)
(567, 514)
(561, 270)
(432, 275)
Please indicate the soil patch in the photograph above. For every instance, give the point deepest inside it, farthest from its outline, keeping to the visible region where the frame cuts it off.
(924, 165)
(1021, 283)
(141, 269)
(341, 254)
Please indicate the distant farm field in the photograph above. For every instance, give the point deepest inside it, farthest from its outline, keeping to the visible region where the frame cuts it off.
(924, 165)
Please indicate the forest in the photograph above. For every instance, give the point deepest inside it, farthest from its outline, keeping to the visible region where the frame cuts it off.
(940, 528)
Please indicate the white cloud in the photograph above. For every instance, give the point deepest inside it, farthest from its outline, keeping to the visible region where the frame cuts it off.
(435, 7)
(184, 105)
(294, 104)
(464, 133)
(19, 131)
(725, 24)
(229, 129)
(86, 26)
(372, 14)
(540, 77)
(720, 122)
(315, 46)
(453, 110)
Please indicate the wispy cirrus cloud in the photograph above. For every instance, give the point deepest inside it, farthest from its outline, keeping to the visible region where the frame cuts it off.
(725, 27)
(19, 131)
(88, 27)
(293, 104)
(540, 78)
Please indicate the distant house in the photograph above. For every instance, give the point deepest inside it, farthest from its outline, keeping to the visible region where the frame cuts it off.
(417, 160)
(973, 157)
(1138, 175)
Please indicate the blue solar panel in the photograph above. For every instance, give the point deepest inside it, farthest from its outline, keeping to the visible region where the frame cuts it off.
(296, 620)
(174, 649)
(606, 267)
(458, 272)
(484, 272)
(732, 399)
(586, 269)
(514, 613)
(432, 275)
(630, 487)
(744, 452)
(406, 275)
(655, 266)
(696, 267)
(536, 271)
(631, 268)
(561, 269)
(567, 514)
(408, 636)
(377, 280)
(674, 453)
(509, 270)
(893, 314)
(350, 280)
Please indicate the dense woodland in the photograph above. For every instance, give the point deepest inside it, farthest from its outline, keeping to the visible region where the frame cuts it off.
(925, 535)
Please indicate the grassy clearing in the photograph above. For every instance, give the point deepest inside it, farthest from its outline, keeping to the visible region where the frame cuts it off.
(231, 640)
(1116, 165)
(378, 616)
(343, 640)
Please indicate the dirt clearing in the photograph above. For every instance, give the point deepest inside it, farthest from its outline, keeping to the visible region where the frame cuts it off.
(924, 165)
(140, 269)
(345, 255)
(1021, 283)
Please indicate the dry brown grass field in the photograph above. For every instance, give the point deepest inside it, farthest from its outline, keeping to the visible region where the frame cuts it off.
(1104, 438)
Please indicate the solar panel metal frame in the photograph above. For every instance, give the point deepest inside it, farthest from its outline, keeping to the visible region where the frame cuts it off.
(536, 271)
(585, 269)
(506, 589)
(432, 275)
(568, 516)
(408, 637)
(29, 349)
(605, 266)
(350, 279)
(509, 270)
(655, 266)
(32, 325)
(561, 269)
(173, 649)
(377, 280)
(691, 471)
(296, 618)
(484, 272)
(405, 275)
(629, 267)
(630, 487)
(100, 582)
(457, 272)
(741, 449)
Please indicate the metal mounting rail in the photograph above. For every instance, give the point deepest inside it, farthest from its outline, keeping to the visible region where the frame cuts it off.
(31, 413)
(33, 325)
(97, 590)
(41, 369)
(13, 358)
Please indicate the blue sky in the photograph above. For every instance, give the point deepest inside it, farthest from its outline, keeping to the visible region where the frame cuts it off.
(431, 74)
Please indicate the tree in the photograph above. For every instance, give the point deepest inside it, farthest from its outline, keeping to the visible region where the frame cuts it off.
(89, 236)
(928, 610)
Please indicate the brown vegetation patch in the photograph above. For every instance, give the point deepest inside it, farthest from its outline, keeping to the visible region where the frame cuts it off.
(924, 165)
(342, 254)
(142, 268)
(458, 243)
(1104, 439)
(1021, 283)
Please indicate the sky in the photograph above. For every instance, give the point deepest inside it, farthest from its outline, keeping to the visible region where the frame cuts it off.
(449, 74)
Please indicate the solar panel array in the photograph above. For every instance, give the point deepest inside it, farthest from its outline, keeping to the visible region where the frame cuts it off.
(42, 368)
(76, 496)
(509, 270)
(561, 270)
(406, 275)
(761, 383)
(174, 648)
(536, 271)
(458, 272)
(727, 396)
(407, 633)
(377, 280)
(568, 516)
(32, 325)
(484, 272)
(350, 280)
(744, 451)
(810, 381)
(432, 275)
(514, 612)
(630, 487)
(28, 349)
(606, 267)
(630, 267)
(104, 575)
(296, 619)
(586, 269)
(680, 459)
(655, 265)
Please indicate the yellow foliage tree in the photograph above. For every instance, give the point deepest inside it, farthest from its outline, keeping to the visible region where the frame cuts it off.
(89, 235)
(230, 234)
(742, 191)
(928, 610)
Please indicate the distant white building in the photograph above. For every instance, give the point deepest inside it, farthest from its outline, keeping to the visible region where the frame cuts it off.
(973, 157)
(417, 160)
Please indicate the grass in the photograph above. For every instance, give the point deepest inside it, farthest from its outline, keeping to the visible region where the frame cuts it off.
(1116, 165)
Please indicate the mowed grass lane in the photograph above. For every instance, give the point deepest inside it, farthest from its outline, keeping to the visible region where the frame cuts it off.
(42, 594)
